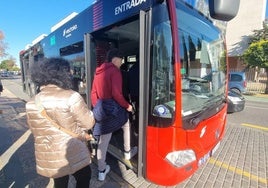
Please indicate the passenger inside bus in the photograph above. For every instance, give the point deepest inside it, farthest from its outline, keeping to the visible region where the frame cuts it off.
(76, 79)
(103, 91)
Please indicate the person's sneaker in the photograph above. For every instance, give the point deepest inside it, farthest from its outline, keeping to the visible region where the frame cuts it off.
(103, 174)
(129, 154)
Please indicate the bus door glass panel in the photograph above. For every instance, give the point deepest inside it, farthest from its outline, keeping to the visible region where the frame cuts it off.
(203, 63)
(163, 78)
(74, 53)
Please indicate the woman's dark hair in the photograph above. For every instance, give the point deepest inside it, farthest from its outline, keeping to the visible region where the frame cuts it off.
(54, 70)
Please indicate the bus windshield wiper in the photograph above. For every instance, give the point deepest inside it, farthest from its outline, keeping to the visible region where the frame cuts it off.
(197, 79)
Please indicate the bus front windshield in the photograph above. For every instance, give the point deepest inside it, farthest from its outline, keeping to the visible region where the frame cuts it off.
(203, 65)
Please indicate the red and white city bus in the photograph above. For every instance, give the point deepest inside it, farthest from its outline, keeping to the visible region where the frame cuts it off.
(182, 76)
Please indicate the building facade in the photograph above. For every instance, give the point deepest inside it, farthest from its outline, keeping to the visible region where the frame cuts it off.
(250, 17)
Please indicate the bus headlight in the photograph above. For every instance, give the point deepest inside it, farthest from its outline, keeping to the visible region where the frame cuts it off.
(181, 158)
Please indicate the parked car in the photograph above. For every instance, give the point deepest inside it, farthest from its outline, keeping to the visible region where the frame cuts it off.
(237, 82)
(235, 101)
(4, 74)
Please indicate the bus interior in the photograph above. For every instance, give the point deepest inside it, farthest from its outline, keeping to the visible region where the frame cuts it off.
(125, 37)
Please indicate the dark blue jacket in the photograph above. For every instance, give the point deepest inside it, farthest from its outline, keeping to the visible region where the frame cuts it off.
(109, 116)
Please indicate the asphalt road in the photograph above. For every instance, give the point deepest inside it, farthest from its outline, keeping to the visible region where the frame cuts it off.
(255, 112)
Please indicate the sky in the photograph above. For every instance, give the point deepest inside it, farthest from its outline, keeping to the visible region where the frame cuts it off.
(22, 21)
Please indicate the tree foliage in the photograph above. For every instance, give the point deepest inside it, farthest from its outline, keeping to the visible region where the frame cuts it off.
(8, 65)
(259, 35)
(257, 54)
(3, 45)
(10, 62)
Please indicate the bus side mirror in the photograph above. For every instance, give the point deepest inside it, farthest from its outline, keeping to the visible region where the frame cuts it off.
(224, 10)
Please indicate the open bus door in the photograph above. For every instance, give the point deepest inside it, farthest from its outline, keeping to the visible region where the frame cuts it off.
(144, 53)
(132, 38)
(90, 65)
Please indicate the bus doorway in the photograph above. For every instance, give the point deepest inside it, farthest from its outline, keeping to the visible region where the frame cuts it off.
(128, 39)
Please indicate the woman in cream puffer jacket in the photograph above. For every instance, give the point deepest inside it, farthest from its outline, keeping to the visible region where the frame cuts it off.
(57, 153)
